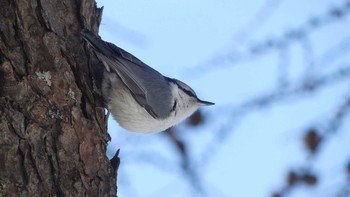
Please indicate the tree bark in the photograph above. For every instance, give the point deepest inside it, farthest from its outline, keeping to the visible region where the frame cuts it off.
(53, 132)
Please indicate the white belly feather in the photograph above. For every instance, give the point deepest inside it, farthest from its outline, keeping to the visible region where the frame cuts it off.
(131, 116)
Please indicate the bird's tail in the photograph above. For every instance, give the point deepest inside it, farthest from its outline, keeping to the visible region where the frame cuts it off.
(108, 49)
(97, 43)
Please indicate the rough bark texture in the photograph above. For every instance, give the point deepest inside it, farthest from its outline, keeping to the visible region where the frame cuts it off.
(52, 131)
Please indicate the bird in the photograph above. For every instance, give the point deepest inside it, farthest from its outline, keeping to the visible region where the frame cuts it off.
(139, 97)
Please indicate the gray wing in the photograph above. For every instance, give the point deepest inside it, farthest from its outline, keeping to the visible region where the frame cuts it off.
(148, 86)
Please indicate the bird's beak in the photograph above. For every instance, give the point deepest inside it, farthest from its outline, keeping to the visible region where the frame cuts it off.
(205, 103)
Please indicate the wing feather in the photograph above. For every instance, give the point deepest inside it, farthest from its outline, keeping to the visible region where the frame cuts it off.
(148, 87)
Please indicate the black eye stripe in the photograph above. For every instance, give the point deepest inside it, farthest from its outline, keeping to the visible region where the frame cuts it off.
(187, 92)
(183, 89)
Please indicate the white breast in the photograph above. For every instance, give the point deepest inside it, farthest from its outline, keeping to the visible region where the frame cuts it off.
(131, 116)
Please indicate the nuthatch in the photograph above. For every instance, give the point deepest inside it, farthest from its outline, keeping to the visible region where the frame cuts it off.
(139, 97)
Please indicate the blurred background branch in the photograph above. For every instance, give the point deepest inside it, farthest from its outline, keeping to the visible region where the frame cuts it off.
(293, 81)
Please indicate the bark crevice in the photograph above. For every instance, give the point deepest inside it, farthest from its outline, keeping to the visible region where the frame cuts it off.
(52, 128)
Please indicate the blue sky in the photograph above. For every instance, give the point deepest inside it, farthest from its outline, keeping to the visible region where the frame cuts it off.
(182, 39)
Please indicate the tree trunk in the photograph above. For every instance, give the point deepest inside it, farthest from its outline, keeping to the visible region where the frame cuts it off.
(53, 133)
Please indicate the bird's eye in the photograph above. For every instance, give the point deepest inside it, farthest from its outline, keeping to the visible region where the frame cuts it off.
(174, 106)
